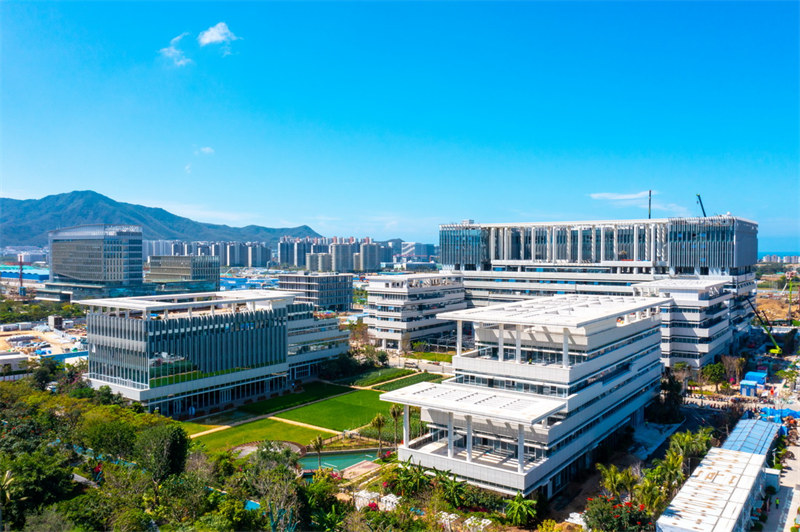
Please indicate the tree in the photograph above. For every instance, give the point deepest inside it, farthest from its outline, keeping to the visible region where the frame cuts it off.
(714, 374)
(453, 490)
(396, 411)
(378, 422)
(318, 444)
(7, 489)
(114, 438)
(651, 494)
(162, 450)
(611, 479)
(733, 367)
(520, 511)
(331, 520)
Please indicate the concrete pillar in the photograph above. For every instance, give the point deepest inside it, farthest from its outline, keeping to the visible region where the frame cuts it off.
(189, 311)
(520, 447)
(602, 243)
(469, 438)
(500, 340)
(594, 244)
(565, 348)
(406, 426)
(492, 243)
(635, 242)
(580, 244)
(449, 434)
(616, 244)
(518, 350)
(651, 245)
(459, 337)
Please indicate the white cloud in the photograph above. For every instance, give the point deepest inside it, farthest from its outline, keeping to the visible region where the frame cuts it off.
(218, 34)
(615, 196)
(639, 200)
(188, 168)
(205, 150)
(175, 54)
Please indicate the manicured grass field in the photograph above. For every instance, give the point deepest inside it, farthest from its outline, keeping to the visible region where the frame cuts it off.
(375, 376)
(194, 428)
(345, 412)
(311, 392)
(263, 429)
(408, 381)
(433, 357)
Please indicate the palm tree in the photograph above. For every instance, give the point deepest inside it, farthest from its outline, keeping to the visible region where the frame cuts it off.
(397, 413)
(318, 444)
(7, 486)
(378, 422)
(331, 521)
(520, 510)
(628, 480)
(651, 493)
(453, 490)
(611, 479)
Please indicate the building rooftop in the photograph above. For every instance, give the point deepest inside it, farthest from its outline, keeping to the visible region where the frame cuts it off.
(485, 403)
(714, 496)
(642, 221)
(564, 310)
(177, 302)
(412, 276)
(752, 436)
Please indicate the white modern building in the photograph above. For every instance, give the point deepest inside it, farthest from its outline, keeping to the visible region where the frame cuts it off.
(402, 309)
(509, 262)
(187, 352)
(549, 380)
(695, 327)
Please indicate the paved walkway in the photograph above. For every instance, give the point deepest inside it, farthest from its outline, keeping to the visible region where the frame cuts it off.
(306, 425)
(788, 494)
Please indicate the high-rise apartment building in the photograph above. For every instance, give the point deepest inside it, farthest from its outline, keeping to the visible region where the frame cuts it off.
(369, 257)
(549, 380)
(235, 254)
(342, 257)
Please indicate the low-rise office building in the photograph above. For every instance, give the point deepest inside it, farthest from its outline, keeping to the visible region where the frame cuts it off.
(177, 268)
(331, 291)
(550, 379)
(184, 353)
(727, 486)
(402, 309)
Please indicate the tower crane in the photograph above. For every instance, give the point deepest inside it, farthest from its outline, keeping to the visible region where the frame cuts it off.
(700, 201)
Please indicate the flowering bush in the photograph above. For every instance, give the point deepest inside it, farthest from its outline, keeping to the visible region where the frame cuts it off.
(610, 514)
(373, 506)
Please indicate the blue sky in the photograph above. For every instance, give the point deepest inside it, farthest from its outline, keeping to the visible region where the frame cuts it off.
(389, 118)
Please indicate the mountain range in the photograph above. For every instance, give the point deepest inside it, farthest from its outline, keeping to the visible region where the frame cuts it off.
(26, 222)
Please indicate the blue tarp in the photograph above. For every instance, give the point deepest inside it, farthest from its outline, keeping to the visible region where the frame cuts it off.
(780, 412)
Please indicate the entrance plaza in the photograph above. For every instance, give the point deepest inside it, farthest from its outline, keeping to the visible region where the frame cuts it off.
(549, 380)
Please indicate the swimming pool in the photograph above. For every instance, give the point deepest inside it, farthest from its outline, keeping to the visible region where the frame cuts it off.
(335, 461)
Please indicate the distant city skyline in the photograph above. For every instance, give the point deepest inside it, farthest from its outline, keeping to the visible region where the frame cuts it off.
(388, 119)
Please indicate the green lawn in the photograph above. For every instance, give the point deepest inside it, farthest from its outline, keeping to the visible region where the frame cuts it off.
(194, 428)
(263, 429)
(408, 381)
(375, 376)
(345, 412)
(433, 357)
(311, 392)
